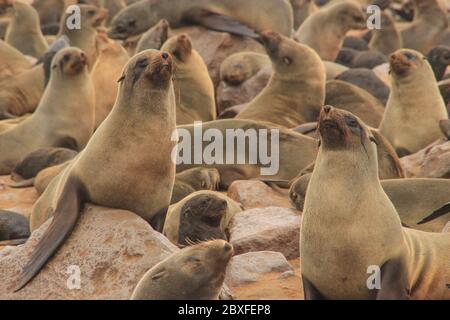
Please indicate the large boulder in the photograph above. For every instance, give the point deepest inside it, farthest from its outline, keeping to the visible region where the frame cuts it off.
(257, 194)
(248, 267)
(430, 162)
(266, 229)
(111, 249)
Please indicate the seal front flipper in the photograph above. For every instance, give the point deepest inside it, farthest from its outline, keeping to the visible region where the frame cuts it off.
(218, 22)
(310, 291)
(22, 184)
(394, 284)
(436, 214)
(13, 242)
(64, 219)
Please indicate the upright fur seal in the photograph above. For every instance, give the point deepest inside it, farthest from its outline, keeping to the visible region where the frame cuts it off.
(24, 31)
(387, 39)
(325, 29)
(430, 22)
(91, 17)
(64, 118)
(104, 173)
(193, 273)
(414, 199)
(194, 89)
(232, 16)
(415, 106)
(181, 216)
(112, 57)
(348, 217)
(296, 90)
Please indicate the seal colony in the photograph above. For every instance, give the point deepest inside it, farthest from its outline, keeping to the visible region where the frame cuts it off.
(280, 132)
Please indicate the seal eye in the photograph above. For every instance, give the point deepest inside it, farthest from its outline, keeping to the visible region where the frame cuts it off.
(132, 23)
(142, 64)
(351, 122)
(66, 57)
(409, 55)
(287, 60)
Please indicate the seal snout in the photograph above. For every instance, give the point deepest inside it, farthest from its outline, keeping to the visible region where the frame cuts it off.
(399, 63)
(271, 41)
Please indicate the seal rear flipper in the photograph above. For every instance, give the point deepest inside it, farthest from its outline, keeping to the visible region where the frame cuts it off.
(65, 217)
(436, 214)
(218, 22)
(22, 184)
(394, 284)
(157, 221)
(310, 291)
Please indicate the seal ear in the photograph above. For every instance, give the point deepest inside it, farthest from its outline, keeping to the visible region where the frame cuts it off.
(121, 78)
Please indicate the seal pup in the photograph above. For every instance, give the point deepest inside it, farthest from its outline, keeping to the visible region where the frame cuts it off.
(429, 23)
(179, 220)
(192, 180)
(439, 59)
(13, 226)
(415, 105)
(233, 16)
(296, 90)
(85, 38)
(325, 29)
(194, 89)
(112, 57)
(154, 37)
(363, 226)
(64, 118)
(414, 199)
(144, 115)
(24, 31)
(193, 273)
(29, 167)
(387, 39)
(12, 61)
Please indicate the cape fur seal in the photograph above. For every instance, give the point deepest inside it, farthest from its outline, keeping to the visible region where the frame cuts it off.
(192, 180)
(439, 59)
(296, 90)
(430, 22)
(181, 215)
(13, 226)
(12, 61)
(24, 30)
(415, 106)
(414, 199)
(233, 16)
(194, 89)
(193, 273)
(387, 39)
(85, 38)
(325, 29)
(241, 66)
(64, 118)
(302, 9)
(154, 37)
(104, 173)
(363, 226)
(112, 57)
(289, 143)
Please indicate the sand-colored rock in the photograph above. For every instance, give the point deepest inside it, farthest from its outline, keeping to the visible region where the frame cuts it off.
(112, 249)
(16, 200)
(267, 229)
(257, 194)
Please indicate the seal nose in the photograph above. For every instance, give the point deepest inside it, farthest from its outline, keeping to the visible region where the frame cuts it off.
(227, 247)
(326, 109)
(165, 55)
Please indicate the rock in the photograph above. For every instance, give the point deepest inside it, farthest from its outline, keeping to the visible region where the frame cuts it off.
(228, 95)
(446, 228)
(256, 194)
(431, 162)
(112, 249)
(268, 229)
(287, 274)
(248, 267)
(214, 47)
